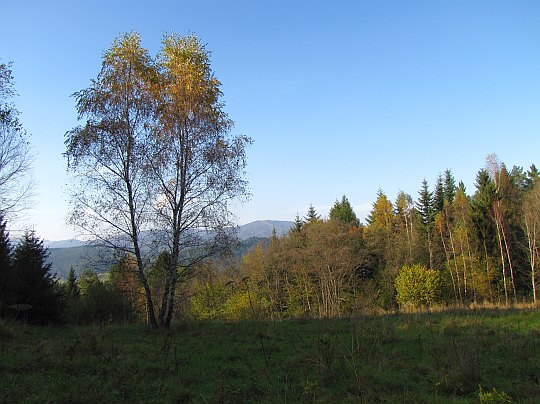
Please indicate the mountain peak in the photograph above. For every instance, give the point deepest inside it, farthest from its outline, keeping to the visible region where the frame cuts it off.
(263, 228)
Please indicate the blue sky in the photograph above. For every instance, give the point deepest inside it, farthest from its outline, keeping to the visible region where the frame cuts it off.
(340, 97)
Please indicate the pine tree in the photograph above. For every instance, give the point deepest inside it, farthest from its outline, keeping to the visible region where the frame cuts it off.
(36, 294)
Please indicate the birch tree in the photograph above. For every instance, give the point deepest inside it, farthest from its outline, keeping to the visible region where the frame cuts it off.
(155, 164)
(15, 154)
(196, 165)
(111, 199)
(531, 225)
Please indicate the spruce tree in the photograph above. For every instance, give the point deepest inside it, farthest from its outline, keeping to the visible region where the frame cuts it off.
(482, 213)
(312, 215)
(425, 204)
(343, 212)
(449, 186)
(427, 216)
(72, 288)
(439, 196)
(37, 297)
(298, 224)
(5, 266)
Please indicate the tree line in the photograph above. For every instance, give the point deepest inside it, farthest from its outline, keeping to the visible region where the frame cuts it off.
(446, 247)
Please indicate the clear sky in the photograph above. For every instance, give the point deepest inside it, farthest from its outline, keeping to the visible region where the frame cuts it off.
(340, 97)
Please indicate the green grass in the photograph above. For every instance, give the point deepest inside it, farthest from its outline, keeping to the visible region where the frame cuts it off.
(455, 356)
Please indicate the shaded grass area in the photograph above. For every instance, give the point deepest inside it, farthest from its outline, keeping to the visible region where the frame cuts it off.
(457, 356)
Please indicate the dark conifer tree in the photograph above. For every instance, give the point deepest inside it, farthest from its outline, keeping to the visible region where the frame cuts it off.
(427, 217)
(461, 188)
(518, 178)
(482, 216)
(438, 196)
(449, 186)
(312, 215)
(298, 224)
(425, 204)
(482, 204)
(532, 177)
(72, 288)
(37, 297)
(5, 266)
(343, 212)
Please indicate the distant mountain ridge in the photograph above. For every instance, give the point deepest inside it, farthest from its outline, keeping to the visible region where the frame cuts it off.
(264, 228)
(259, 228)
(77, 254)
(64, 243)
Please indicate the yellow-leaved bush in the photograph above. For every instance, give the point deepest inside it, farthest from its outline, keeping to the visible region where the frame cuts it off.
(418, 286)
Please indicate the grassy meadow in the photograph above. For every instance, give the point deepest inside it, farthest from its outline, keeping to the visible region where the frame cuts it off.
(452, 356)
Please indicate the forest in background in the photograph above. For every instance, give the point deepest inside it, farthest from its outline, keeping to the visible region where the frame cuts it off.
(447, 247)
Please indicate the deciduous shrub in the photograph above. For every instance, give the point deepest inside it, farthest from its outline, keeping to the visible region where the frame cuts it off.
(417, 286)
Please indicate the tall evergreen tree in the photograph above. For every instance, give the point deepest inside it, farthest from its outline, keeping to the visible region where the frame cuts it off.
(532, 177)
(72, 288)
(298, 224)
(482, 217)
(425, 204)
(449, 186)
(438, 196)
(427, 216)
(518, 178)
(343, 212)
(312, 215)
(511, 191)
(5, 266)
(36, 295)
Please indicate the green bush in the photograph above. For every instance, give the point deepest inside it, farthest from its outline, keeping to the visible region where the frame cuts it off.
(208, 303)
(417, 286)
